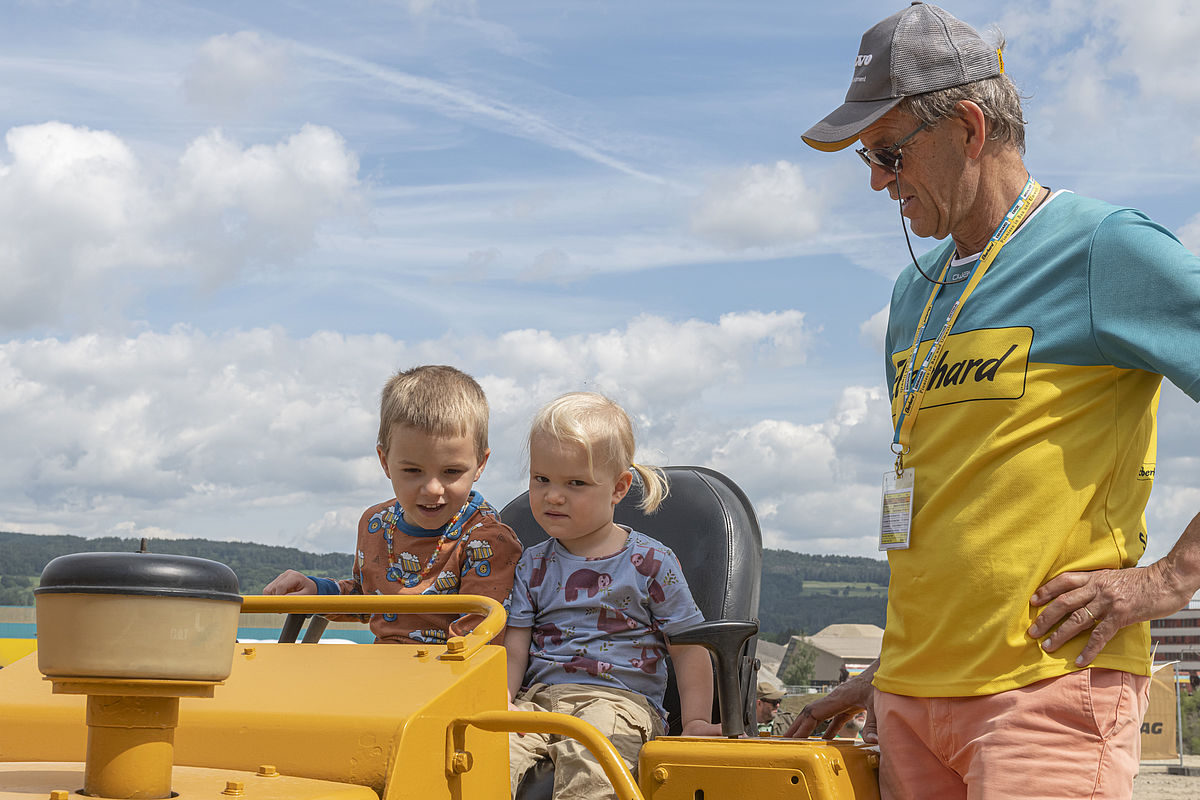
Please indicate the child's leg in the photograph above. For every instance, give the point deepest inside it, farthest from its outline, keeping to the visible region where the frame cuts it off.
(526, 750)
(626, 718)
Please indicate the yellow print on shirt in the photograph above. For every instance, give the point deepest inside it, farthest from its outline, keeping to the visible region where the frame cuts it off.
(986, 364)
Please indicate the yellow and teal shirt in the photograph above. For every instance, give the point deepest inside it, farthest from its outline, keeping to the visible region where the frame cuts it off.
(1034, 446)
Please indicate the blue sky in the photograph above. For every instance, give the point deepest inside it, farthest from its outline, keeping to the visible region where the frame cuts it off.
(222, 225)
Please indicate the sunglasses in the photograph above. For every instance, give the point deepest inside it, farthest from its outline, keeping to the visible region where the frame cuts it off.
(887, 157)
(771, 702)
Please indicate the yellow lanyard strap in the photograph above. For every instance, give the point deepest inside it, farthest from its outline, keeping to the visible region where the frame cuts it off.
(915, 384)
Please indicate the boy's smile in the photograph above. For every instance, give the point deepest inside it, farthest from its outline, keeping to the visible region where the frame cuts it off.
(570, 502)
(431, 475)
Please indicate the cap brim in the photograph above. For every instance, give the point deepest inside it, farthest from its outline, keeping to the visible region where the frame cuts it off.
(841, 129)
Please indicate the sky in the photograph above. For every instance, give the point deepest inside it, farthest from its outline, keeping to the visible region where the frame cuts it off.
(223, 225)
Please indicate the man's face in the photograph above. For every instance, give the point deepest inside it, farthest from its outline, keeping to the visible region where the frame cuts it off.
(767, 709)
(929, 187)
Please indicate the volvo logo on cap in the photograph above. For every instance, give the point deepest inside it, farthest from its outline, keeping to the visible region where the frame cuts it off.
(863, 60)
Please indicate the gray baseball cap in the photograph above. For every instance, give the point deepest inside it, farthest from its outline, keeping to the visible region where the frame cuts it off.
(920, 49)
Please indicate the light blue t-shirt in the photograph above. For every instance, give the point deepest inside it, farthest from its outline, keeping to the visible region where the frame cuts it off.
(600, 621)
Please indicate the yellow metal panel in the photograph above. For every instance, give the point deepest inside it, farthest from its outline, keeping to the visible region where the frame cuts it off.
(21, 781)
(35, 724)
(13, 649)
(347, 713)
(804, 769)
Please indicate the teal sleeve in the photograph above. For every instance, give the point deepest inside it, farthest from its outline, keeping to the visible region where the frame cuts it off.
(1144, 290)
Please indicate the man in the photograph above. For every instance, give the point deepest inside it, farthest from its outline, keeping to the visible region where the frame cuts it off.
(1024, 357)
(771, 721)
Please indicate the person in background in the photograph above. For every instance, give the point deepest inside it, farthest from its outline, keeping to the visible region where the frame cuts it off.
(771, 720)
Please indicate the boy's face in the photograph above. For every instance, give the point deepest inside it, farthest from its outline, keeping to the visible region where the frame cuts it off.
(431, 475)
(571, 503)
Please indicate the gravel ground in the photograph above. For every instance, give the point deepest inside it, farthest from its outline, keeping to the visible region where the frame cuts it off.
(1153, 782)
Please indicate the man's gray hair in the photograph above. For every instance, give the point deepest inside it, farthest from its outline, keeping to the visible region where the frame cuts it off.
(997, 97)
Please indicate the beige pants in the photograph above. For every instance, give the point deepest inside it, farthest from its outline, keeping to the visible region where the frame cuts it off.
(626, 718)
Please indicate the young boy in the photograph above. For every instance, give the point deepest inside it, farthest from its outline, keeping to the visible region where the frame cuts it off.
(437, 535)
(591, 604)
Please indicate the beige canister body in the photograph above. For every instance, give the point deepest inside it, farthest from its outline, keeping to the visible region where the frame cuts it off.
(133, 636)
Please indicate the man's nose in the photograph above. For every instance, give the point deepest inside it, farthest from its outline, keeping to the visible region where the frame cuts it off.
(881, 178)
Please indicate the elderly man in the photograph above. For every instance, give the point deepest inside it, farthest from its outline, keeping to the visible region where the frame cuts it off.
(1024, 356)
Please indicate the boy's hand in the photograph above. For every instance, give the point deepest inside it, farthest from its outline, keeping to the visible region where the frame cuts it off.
(291, 582)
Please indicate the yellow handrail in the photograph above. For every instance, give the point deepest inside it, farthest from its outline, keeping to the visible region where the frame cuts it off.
(458, 760)
(457, 647)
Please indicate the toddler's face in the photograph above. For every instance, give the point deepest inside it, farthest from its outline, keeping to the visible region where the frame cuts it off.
(431, 475)
(571, 502)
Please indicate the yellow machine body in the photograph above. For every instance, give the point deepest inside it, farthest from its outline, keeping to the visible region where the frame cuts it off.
(334, 721)
(680, 768)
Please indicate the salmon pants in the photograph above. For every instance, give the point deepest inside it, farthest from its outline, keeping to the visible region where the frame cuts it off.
(1074, 736)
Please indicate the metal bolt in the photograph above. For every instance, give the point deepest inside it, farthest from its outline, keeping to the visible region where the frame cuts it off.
(59, 794)
(661, 774)
(234, 788)
(873, 760)
(422, 652)
(455, 645)
(267, 771)
(462, 762)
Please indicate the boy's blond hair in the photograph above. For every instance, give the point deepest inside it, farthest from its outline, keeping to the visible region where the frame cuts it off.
(604, 431)
(436, 400)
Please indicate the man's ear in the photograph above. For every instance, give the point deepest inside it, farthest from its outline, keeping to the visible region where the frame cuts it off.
(621, 488)
(383, 461)
(972, 118)
(486, 454)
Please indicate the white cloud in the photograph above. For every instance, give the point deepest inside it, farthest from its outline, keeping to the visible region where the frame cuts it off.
(655, 358)
(762, 205)
(84, 223)
(814, 485)
(1189, 234)
(1119, 71)
(264, 203)
(873, 332)
(257, 436)
(1158, 39)
(74, 207)
(235, 72)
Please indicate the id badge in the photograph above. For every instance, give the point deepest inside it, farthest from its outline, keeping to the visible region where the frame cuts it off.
(895, 518)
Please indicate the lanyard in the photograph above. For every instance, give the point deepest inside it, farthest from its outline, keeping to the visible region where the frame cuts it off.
(914, 383)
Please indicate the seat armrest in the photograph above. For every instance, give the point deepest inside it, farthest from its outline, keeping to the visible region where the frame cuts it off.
(726, 639)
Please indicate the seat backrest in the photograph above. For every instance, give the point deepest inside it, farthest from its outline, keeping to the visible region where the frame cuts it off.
(708, 522)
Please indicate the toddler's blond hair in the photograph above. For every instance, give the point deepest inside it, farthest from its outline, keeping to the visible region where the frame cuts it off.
(604, 431)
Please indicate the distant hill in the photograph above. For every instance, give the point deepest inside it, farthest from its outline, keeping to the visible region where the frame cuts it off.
(800, 593)
(23, 555)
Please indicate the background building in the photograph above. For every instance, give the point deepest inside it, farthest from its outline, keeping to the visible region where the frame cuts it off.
(1177, 637)
(841, 651)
